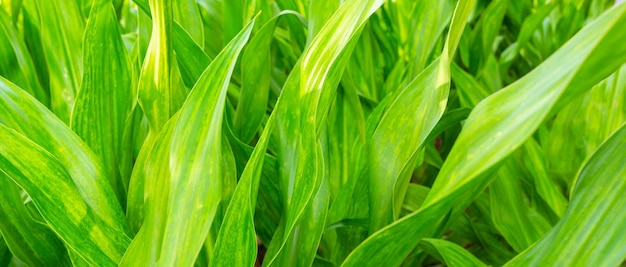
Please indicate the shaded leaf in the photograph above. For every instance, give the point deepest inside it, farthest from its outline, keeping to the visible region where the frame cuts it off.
(594, 218)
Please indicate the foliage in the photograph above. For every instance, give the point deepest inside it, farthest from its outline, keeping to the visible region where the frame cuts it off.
(324, 133)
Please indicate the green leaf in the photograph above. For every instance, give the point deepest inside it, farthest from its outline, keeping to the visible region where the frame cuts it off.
(535, 164)
(452, 254)
(183, 189)
(5, 253)
(470, 91)
(192, 59)
(21, 112)
(154, 169)
(528, 106)
(306, 100)
(236, 242)
(406, 123)
(495, 128)
(14, 52)
(427, 20)
(196, 154)
(62, 46)
(105, 99)
(518, 223)
(161, 90)
(27, 239)
(256, 75)
(319, 13)
(54, 193)
(187, 14)
(233, 16)
(591, 231)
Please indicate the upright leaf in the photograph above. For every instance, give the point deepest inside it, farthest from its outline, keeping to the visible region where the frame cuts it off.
(146, 246)
(161, 90)
(62, 46)
(105, 100)
(496, 127)
(306, 99)
(17, 64)
(186, 13)
(195, 183)
(406, 123)
(236, 243)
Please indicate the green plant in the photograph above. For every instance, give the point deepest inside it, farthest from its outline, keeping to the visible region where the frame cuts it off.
(325, 133)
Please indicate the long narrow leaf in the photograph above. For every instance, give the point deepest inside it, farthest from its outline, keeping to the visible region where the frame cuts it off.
(62, 47)
(21, 112)
(28, 240)
(49, 185)
(591, 232)
(195, 185)
(496, 127)
(105, 99)
(14, 53)
(306, 99)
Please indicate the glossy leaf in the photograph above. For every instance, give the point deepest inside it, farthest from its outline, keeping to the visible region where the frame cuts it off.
(349, 132)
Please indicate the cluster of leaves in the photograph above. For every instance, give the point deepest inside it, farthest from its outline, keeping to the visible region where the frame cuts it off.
(299, 133)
